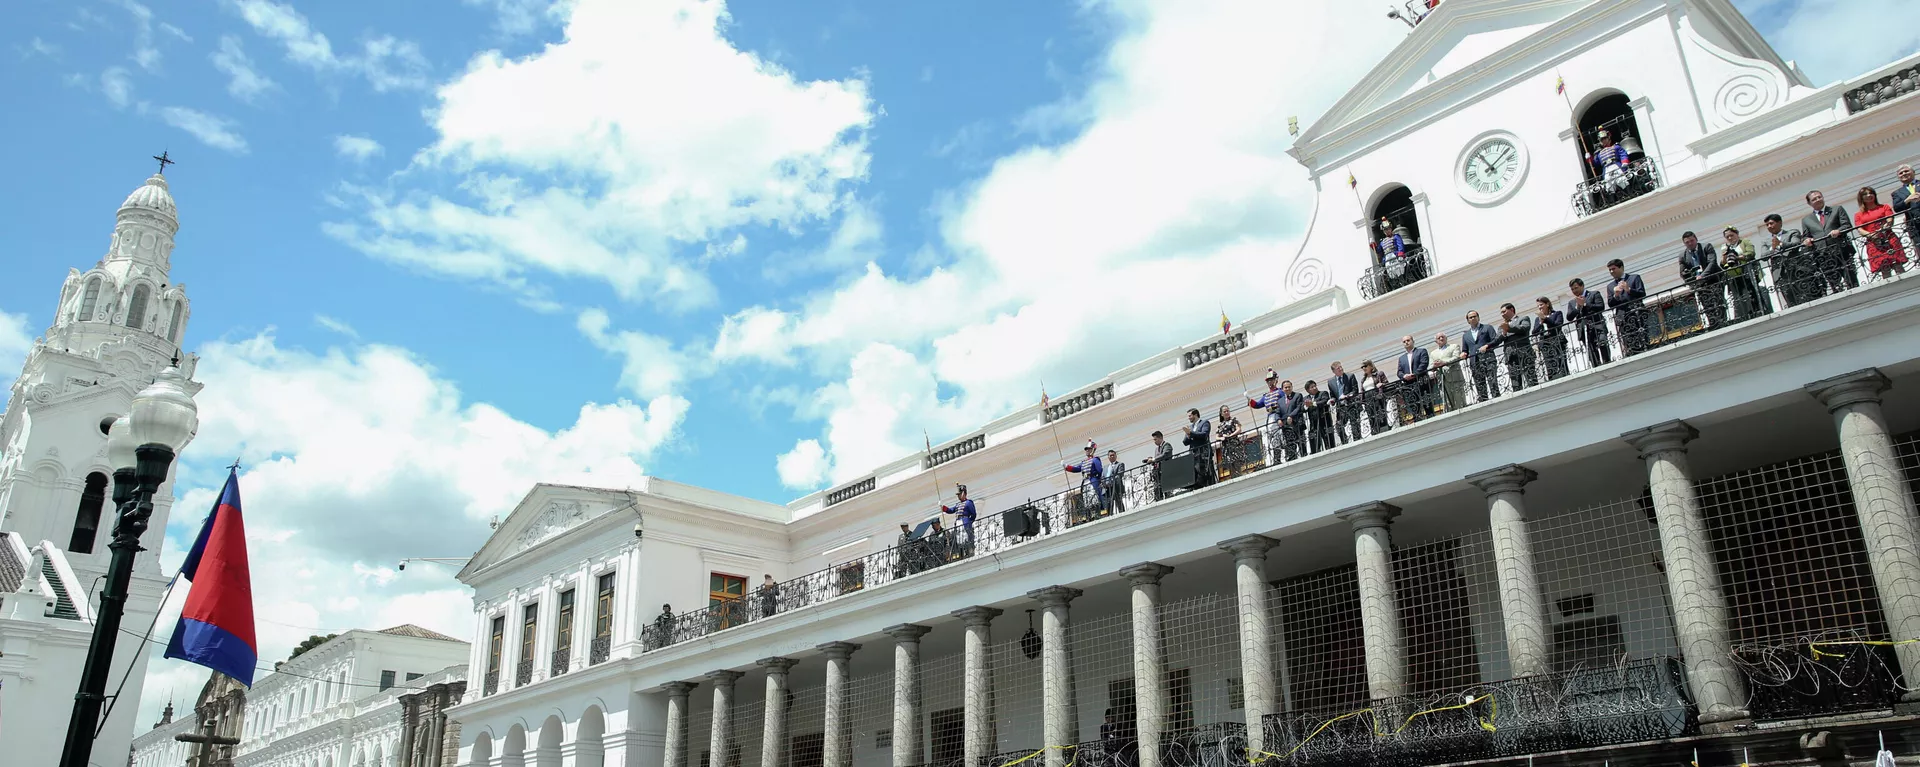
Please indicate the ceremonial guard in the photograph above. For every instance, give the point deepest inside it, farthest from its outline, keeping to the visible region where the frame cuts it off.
(1092, 473)
(963, 512)
(1610, 163)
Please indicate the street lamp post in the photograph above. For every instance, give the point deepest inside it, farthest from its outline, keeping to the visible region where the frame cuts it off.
(141, 446)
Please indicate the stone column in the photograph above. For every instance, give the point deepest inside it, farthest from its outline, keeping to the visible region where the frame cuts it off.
(720, 745)
(773, 743)
(908, 746)
(1883, 501)
(1522, 611)
(979, 739)
(836, 748)
(1379, 609)
(1256, 635)
(1149, 659)
(1059, 724)
(1699, 603)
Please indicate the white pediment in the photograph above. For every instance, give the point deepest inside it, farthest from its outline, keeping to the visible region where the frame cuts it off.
(547, 512)
(558, 517)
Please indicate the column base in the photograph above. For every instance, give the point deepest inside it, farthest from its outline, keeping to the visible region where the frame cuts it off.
(1907, 706)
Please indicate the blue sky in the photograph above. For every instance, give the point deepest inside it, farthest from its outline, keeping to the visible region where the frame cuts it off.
(441, 250)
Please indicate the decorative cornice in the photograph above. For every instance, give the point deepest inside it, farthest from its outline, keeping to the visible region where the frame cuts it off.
(1511, 478)
(1368, 515)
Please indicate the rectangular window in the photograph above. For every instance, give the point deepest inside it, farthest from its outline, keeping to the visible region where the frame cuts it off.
(529, 623)
(412, 676)
(493, 644)
(723, 595)
(603, 609)
(563, 623)
(386, 680)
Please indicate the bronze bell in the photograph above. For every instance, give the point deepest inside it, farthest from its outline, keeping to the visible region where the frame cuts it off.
(1631, 144)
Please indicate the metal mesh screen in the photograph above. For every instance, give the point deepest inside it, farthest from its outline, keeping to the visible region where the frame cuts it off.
(1907, 448)
(1444, 588)
(870, 710)
(1606, 596)
(749, 713)
(1018, 707)
(943, 690)
(806, 723)
(1205, 703)
(1318, 614)
(700, 726)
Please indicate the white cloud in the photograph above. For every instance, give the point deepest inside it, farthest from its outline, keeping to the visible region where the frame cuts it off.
(244, 81)
(336, 325)
(213, 130)
(804, 467)
(650, 367)
(1169, 180)
(563, 179)
(356, 148)
(117, 85)
(1830, 43)
(146, 52)
(519, 17)
(357, 457)
(387, 63)
(38, 47)
(15, 342)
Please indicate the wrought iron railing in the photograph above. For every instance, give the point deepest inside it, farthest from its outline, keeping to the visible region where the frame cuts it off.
(598, 650)
(1636, 701)
(1883, 90)
(1747, 290)
(1819, 676)
(523, 673)
(1604, 191)
(562, 661)
(492, 683)
(1392, 272)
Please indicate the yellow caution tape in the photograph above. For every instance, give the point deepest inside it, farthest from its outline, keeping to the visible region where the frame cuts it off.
(1486, 723)
(1814, 647)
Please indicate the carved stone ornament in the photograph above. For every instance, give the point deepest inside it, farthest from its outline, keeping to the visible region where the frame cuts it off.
(558, 517)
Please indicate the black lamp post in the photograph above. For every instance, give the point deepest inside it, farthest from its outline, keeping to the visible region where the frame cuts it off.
(140, 446)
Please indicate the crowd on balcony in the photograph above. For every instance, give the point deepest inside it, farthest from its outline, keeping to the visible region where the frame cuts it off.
(1535, 341)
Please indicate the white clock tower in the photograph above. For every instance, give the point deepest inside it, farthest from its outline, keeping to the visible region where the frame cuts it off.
(116, 326)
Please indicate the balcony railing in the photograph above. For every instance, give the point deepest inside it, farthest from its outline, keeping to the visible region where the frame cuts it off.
(492, 683)
(1749, 291)
(1883, 90)
(1395, 272)
(523, 673)
(599, 649)
(1604, 192)
(1637, 701)
(562, 661)
(1819, 676)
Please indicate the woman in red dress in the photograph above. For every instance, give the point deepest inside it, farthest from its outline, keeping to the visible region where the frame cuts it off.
(1885, 256)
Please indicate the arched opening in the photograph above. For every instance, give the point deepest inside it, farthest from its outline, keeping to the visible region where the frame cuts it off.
(552, 732)
(173, 325)
(589, 738)
(513, 751)
(137, 308)
(1612, 159)
(482, 751)
(1398, 256)
(86, 521)
(89, 300)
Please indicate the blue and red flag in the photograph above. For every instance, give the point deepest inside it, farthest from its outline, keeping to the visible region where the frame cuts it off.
(216, 624)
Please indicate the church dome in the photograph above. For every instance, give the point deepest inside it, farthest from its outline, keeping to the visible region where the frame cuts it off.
(152, 196)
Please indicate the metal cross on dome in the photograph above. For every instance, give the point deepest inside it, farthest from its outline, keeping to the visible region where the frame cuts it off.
(164, 162)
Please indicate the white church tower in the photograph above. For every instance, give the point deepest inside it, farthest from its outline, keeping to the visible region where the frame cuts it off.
(117, 325)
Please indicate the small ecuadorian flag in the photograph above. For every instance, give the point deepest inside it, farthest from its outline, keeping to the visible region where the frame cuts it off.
(1226, 325)
(1352, 183)
(1560, 85)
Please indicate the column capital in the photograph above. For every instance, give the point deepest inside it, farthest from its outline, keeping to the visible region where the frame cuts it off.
(1145, 573)
(1248, 547)
(1055, 596)
(679, 689)
(906, 632)
(1864, 385)
(1369, 514)
(1659, 438)
(838, 650)
(724, 677)
(978, 615)
(1511, 478)
(776, 665)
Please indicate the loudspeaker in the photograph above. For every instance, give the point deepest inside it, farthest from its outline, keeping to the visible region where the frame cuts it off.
(1022, 522)
(1177, 473)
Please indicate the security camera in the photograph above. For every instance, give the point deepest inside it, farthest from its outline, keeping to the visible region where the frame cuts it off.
(637, 531)
(403, 564)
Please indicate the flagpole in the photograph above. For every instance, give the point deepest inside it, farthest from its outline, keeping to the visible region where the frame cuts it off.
(931, 467)
(1226, 329)
(1560, 85)
(1055, 428)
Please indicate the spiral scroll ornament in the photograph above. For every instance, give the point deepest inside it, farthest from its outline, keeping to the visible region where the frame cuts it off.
(1307, 276)
(1744, 96)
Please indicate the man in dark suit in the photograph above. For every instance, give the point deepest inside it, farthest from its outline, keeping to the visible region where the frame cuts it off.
(1906, 200)
(1413, 379)
(1198, 440)
(1826, 229)
(1480, 341)
(1700, 268)
(1588, 312)
(1516, 341)
(1345, 389)
(1548, 340)
(1292, 411)
(1626, 297)
(1795, 272)
(1319, 417)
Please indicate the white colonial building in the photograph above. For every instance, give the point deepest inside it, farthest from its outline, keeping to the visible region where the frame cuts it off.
(115, 327)
(342, 703)
(1684, 522)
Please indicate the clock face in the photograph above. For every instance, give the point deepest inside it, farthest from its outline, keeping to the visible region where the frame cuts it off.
(1491, 167)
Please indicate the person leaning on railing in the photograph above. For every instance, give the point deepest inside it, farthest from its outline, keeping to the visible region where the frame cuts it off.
(1446, 375)
(1232, 448)
(1588, 311)
(1373, 396)
(1700, 268)
(1826, 229)
(1346, 403)
(1319, 417)
(1906, 197)
(1795, 272)
(1516, 337)
(1626, 297)
(1748, 296)
(1162, 452)
(1548, 338)
(1885, 256)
